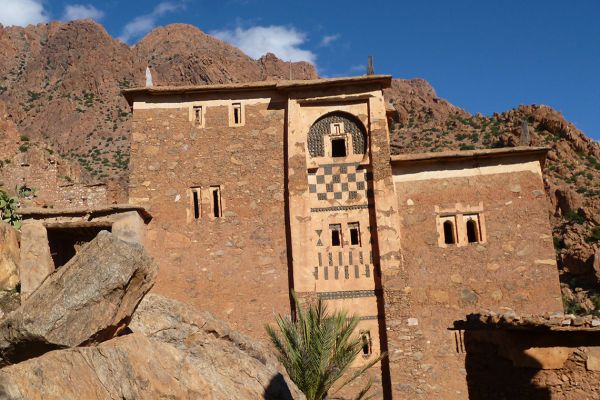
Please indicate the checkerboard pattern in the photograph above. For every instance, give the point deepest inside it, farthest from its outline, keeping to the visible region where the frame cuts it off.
(339, 182)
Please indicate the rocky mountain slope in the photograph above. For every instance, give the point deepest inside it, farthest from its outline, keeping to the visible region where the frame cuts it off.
(61, 85)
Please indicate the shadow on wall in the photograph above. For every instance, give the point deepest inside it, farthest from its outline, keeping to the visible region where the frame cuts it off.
(493, 377)
(278, 389)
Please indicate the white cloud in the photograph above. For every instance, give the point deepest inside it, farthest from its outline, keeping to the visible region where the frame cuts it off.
(22, 12)
(145, 23)
(82, 11)
(282, 41)
(328, 39)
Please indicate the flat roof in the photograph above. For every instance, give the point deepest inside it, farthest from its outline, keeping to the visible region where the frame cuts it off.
(32, 212)
(280, 85)
(459, 155)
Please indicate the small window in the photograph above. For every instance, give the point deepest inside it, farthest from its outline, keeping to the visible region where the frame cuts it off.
(354, 228)
(194, 211)
(338, 147)
(198, 115)
(237, 113)
(216, 201)
(337, 129)
(336, 234)
(473, 232)
(449, 232)
(365, 337)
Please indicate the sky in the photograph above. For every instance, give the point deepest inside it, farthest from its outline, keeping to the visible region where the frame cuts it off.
(483, 56)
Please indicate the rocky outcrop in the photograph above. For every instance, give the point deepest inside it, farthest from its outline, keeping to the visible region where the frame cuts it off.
(129, 367)
(9, 257)
(224, 355)
(87, 301)
(61, 83)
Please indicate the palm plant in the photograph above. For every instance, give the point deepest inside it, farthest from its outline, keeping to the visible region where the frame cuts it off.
(318, 348)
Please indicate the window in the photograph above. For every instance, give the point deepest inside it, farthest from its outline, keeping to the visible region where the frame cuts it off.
(198, 115)
(216, 201)
(354, 228)
(337, 128)
(196, 203)
(449, 232)
(365, 337)
(194, 210)
(472, 225)
(338, 147)
(237, 118)
(336, 234)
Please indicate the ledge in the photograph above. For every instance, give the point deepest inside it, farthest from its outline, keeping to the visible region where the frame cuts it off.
(459, 155)
(281, 85)
(33, 212)
(509, 320)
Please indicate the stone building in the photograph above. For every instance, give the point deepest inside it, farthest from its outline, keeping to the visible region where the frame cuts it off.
(259, 188)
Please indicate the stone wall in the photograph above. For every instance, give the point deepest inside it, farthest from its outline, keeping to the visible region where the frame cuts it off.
(234, 266)
(537, 365)
(512, 266)
(57, 182)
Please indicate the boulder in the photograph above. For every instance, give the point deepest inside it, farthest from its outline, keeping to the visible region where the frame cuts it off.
(88, 300)
(9, 257)
(230, 360)
(127, 367)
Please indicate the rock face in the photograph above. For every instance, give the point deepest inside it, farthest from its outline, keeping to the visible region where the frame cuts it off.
(88, 300)
(61, 84)
(224, 356)
(9, 257)
(128, 367)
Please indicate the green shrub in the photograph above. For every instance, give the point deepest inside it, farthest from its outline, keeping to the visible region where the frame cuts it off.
(23, 148)
(24, 138)
(574, 216)
(571, 306)
(594, 236)
(467, 147)
(8, 210)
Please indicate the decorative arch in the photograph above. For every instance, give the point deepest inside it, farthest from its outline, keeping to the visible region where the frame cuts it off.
(322, 128)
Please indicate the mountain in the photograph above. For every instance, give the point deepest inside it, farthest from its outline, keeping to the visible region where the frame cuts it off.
(61, 83)
(63, 112)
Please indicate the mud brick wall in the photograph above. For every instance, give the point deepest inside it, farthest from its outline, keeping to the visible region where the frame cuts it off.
(514, 267)
(532, 365)
(234, 266)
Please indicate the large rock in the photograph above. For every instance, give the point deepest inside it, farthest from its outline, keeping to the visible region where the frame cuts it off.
(128, 367)
(231, 361)
(88, 300)
(9, 257)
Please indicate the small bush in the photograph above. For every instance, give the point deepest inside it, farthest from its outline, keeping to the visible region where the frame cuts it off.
(594, 236)
(572, 306)
(574, 216)
(467, 147)
(24, 138)
(23, 148)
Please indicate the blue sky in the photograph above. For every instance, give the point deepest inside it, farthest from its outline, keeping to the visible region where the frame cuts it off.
(483, 56)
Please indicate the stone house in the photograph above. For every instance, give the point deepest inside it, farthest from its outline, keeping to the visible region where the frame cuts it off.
(259, 188)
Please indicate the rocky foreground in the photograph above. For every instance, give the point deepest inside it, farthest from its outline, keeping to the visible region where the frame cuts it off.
(90, 331)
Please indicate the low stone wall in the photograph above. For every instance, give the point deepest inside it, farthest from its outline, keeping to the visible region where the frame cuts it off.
(522, 360)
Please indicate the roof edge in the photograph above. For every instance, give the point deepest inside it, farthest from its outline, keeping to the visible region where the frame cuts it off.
(32, 212)
(280, 85)
(469, 154)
